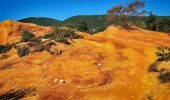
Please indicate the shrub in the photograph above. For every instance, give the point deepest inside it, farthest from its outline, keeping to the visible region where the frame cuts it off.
(62, 35)
(27, 36)
(82, 26)
(5, 48)
(163, 54)
(164, 77)
(153, 67)
(39, 48)
(23, 51)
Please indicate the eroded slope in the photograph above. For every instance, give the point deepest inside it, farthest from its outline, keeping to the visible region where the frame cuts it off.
(111, 65)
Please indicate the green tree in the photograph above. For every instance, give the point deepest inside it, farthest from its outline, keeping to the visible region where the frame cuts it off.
(152, 23)
(82, 26)
(123, 12)
(157, 24)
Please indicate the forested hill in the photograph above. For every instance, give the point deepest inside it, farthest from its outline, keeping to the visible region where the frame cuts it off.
(96, 23)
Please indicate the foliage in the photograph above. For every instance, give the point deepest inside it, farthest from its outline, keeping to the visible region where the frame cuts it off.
(122, 12)
(158, 24)
(153, 67)
(41, 21)
(163, 54)
(83, 26)
(62, 35)
(5, 48)
(27, 36)
(95, 21)
(23, 51)
(164, 77)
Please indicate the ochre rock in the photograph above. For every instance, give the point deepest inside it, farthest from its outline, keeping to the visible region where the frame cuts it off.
(110, 65)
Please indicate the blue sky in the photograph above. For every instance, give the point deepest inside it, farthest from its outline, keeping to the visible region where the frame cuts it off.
(62, 9)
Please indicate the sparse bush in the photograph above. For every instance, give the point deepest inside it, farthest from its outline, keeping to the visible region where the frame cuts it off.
(5, 48)
(39, 48)
(163, 54)
(164, 77)
(62, 35)
(27, 36)
(153, 67)
(23, 51)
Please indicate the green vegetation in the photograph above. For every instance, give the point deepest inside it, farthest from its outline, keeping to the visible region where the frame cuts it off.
(27, 36)
(164, 77)
(23, 51)
(83, 26)
(163, 54)
(41, 21)
(96, 22)
(31, 43)
(157, 24)
(127, 15)
(5, 48)
(62, 35)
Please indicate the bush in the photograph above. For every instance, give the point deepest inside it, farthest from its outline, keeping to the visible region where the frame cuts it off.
(164, 77)
(62, 35)
(163, 54)
(5, 48)
(39, 47)
(82, 26)
(23, 51)
(27, 36)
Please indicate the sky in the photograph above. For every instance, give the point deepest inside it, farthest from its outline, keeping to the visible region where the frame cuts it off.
(62, 9)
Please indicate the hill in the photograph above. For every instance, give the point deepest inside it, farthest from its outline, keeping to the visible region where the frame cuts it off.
(115, 64)
(96, 23)
(41, 21)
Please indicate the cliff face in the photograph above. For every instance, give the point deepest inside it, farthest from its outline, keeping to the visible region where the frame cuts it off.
(111, 65)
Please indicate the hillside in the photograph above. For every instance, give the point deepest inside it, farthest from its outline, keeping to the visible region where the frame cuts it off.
(112, 65)
(41, 21)
(95, 22)
(10, 31)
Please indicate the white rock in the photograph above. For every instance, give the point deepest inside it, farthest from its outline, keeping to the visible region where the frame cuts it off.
(56, 80)
(99, 64)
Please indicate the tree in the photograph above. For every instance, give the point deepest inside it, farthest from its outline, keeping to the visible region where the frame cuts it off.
(83, 26)
(151, 22)
(122, 12)
(155, 23)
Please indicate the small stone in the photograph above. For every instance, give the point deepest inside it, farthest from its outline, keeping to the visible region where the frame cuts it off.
(61, 81)
(99, 64)
(56, 80)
